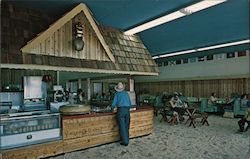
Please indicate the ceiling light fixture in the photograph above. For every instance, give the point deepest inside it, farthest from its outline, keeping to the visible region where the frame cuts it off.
(175, 15)
(178, 53)
(203, 49)
(224, 45)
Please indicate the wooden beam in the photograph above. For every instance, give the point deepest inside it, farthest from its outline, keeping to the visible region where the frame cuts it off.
(63, 20)
(73, 69)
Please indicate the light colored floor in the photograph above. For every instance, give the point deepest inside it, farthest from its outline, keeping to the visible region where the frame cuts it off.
(220, 140)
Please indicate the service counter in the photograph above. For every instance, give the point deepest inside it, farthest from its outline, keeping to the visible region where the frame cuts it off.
(84, 131)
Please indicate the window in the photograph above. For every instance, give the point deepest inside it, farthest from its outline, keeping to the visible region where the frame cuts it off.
(159, 64)
(242, 53)
(171, 63)
(201, 58)
(230, 55)
(210, 57)
(178, 62)
(73, 86)
(185, 60)
(219, 56)
(165, 63)
(192, 60)
(97, 88)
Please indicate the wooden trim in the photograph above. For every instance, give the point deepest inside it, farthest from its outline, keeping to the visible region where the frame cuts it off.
(74, 69)
(59, 23)
(140, 109)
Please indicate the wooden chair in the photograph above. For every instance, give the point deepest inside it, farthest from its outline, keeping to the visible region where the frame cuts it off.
(169, 116)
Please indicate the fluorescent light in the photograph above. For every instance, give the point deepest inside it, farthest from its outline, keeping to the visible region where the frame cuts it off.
(203, 5)
(178, 53)
(155, 57)
(175, 15)
(224, 45)
(156, 22)
(203, 49)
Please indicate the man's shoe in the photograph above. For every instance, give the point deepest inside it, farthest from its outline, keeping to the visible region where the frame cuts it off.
(123, 144)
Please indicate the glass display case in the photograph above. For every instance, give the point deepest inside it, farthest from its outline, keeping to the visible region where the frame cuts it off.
(25, 130)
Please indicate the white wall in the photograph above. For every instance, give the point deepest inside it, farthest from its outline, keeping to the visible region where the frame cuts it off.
(224, 68)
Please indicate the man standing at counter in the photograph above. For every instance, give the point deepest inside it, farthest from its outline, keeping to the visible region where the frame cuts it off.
(123, 103)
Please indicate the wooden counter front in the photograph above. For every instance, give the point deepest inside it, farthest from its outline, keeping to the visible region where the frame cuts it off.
(84, 131)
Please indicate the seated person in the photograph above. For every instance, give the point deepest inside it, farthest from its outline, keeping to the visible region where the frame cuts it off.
(177, 108)
(244, 120)
(212, 100)
(244, 101)
(179, 102)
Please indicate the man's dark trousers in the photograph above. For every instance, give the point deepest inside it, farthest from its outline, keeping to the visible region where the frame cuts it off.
(123, 118)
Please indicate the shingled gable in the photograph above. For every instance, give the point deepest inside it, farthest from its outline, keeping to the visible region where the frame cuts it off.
(129, 54)
(129, 51)
(62, 21)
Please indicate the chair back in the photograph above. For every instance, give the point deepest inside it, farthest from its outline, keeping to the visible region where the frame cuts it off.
(204, 104)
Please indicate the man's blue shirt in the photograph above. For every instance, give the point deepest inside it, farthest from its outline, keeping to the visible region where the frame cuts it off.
(121, 99)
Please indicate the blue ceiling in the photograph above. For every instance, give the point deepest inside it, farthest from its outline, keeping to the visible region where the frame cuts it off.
(226, 22)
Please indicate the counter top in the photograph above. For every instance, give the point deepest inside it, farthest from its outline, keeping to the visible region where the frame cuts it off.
(139, 109)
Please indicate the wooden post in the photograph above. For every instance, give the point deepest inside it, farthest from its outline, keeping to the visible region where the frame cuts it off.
(67, 85)
(79, 83)
(88, 89)
(130, 84)
(57, 77)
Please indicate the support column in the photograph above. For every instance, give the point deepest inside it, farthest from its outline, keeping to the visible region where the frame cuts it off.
(57, 78)
(130, 84)
(88, 89)
(79, 83)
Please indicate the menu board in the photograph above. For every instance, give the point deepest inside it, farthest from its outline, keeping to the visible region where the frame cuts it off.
(34, 87)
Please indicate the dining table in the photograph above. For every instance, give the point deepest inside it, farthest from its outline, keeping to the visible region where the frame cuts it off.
(193, 114)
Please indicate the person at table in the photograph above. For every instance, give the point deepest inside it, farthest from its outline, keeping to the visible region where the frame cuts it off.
(123, 103)
(244, 101)
(177, 108)
(178, 101)
(244, 120)
(212, 100)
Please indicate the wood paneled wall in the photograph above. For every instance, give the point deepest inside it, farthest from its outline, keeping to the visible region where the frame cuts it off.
(13, 77)
(197, 88)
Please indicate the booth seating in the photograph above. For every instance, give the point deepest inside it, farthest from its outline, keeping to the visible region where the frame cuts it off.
(147, 99)
(192, 101)
(205, 107)
(238, 110)
(158, 104)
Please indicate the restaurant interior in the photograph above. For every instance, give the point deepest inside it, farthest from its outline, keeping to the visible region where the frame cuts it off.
(61, 61)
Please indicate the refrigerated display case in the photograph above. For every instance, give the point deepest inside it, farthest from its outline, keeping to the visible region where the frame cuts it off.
(25, 130)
